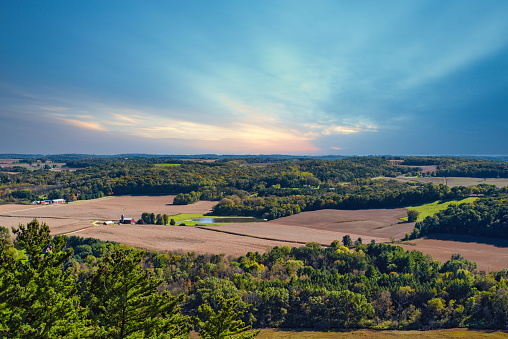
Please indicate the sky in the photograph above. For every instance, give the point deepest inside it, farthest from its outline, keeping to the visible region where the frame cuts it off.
(254, 77)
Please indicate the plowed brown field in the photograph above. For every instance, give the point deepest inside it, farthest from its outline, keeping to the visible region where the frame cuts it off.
(490, 254)
(322, 226)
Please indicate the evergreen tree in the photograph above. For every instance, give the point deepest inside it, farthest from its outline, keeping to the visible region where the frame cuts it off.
(223, 321)
(38, 298)
(347, 241)
(124, 302)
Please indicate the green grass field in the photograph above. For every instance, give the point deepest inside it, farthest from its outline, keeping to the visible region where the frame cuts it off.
(436, 206)
(446, 334)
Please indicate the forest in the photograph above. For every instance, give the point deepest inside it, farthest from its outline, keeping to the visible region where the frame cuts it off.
(71, 287)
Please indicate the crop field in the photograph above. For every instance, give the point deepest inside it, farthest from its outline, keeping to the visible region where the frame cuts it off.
(58, 166)
(71, 217)
(456, 181)
(490, 254)
(324, 226)
(425, 169)
(184, 238)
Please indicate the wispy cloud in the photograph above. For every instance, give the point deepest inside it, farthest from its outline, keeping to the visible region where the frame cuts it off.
(126, 120)
(317, 129)
(85, 124)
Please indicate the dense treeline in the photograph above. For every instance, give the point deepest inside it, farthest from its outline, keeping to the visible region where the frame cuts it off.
(485, 217)
(215, 180)
(87, 288)
(361, 194)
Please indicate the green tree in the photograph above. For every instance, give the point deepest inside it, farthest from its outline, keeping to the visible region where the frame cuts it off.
(38, 297)
(165, 219)
(223, 321)
(412, 215)
(347, 241)
(159, 220)
(5, 236)
(148, 218)
(347, 309)
(124, 302)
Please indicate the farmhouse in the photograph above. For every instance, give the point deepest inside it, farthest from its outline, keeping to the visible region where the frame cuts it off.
(109, 222)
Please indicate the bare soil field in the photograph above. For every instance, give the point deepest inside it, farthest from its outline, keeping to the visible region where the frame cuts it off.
(16, 207)
(8, 162)
(490, 254)
(325, 226)
(465, 181)
(70, 217)
(297, 234)
(378, 223)
(425, 169)
(13, 162)
(322, 226)
(186, 238)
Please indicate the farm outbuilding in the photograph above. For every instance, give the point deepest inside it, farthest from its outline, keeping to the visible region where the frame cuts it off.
(49, 201)
(109, 222)
(124, 220)
(58, 201)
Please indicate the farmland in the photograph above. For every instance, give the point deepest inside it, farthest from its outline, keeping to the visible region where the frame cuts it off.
(54, 166)
(324, 226)
(456, 181)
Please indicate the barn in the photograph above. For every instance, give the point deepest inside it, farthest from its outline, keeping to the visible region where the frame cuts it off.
(124, 220)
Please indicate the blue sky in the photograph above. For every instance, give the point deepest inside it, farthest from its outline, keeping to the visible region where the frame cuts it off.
(254, 77)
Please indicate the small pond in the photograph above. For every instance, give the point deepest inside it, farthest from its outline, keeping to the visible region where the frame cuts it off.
(225, 219)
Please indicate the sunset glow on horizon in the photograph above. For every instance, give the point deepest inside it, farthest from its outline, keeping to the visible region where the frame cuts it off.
(264, 77)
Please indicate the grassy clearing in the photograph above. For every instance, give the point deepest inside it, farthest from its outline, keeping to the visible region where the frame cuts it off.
(436, 206)
(438, 334)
